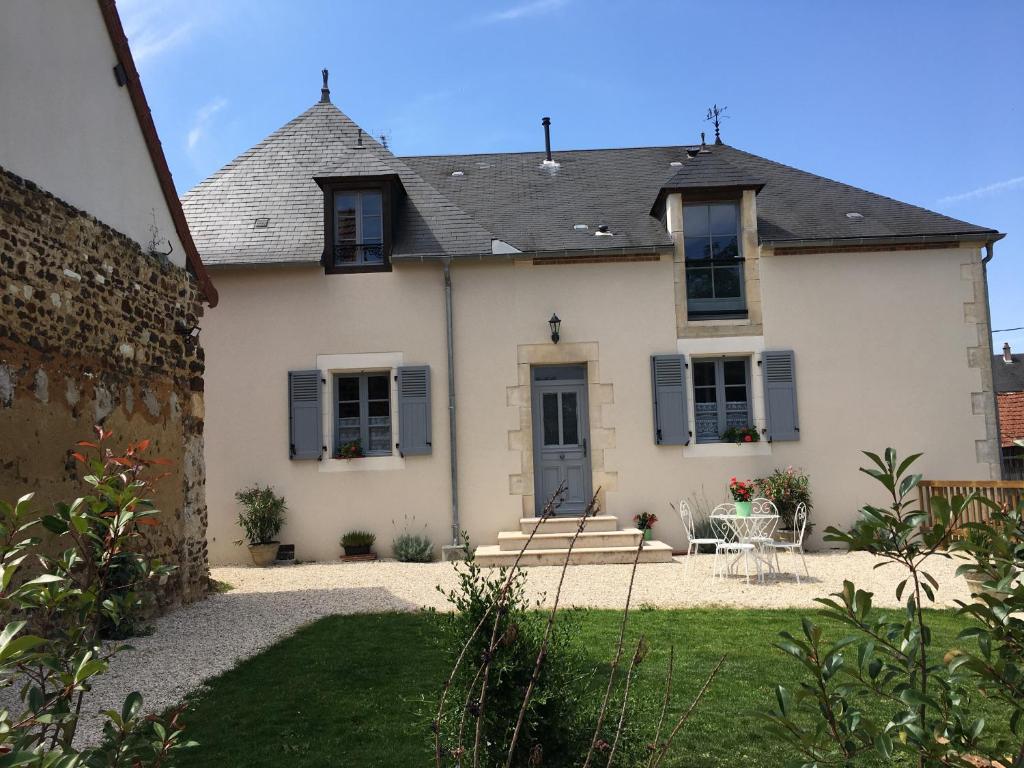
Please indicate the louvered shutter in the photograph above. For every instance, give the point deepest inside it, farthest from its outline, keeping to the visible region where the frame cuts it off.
(305, 422)
(414, 437)
(668, 383)
(779, 371)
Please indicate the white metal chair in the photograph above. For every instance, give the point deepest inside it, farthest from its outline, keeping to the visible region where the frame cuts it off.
(796, 546)
(729, 543)
(693, 542)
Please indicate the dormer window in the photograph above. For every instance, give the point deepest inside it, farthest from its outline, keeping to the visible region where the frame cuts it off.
(714, 261)
(358, 228)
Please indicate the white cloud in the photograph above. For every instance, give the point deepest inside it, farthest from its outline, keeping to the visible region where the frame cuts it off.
(524, 10)
(986, 191)
(202, 119)
(154, 27)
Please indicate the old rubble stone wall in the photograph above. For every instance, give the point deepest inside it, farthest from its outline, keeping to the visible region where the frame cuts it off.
(90, 333)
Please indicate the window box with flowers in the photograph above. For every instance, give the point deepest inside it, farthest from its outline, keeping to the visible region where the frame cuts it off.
(350, 450)
(741, 435)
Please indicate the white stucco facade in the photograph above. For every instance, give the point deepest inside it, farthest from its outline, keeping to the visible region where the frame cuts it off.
(67, 126)
(882, 344)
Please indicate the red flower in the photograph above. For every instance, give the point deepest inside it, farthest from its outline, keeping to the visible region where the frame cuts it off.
(747, 438)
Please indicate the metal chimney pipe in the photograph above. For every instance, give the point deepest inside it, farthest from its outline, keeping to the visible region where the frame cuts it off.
(546, 122)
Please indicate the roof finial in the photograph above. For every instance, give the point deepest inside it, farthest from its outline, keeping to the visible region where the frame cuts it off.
(715, 115)
(325, 92)
(702, 142)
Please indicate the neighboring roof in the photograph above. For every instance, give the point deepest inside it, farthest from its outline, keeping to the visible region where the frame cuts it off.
(458, 204)
(1011, 418)
(124, 56)
(1008, 377)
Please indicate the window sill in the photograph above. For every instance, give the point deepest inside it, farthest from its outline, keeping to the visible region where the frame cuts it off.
(362, 464)
(726, 450)
(356, 268)
(733, 318)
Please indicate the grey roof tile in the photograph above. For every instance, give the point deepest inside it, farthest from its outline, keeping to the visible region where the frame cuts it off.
(514, 197)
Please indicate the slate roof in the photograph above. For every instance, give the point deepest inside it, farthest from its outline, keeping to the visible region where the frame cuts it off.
(1008, 377)
(514, 197)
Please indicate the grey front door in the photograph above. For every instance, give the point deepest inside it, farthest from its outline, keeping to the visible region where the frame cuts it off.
(561, 436)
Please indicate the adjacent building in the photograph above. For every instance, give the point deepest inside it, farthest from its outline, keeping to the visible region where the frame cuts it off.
(1008, 373)
(439, 342)
(101, 285)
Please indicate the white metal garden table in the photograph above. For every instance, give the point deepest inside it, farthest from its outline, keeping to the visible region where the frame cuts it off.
(747, 537)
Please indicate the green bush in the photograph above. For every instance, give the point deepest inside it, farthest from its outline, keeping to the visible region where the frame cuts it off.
(787, 488)
(413, 548)
(358, 539)
(262, 515)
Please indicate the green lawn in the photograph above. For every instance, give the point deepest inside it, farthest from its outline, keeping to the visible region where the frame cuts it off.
(360, 690)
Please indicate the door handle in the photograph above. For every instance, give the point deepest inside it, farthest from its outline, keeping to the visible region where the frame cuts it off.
(584, 446)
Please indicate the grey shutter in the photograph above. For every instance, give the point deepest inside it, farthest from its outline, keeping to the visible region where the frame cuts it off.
(779, 372)
(414, 410)
(305, 420)
(668, 384)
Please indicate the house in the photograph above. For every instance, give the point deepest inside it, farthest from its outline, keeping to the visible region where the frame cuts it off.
(1008, 374)
(600, 317)
(101, 285)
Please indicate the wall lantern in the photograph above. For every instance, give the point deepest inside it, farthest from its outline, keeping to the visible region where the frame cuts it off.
(556, 325)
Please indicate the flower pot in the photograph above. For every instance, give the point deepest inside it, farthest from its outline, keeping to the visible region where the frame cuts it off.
(744, 508)
(360, 549)
(263, 554)
(647, 534)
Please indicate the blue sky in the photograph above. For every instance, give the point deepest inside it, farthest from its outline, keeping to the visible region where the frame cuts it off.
(920, 101)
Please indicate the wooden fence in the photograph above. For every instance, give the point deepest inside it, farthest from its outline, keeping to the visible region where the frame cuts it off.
(1000, 491)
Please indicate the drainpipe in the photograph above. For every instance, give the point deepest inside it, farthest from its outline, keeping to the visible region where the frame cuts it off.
(989, 253)
(455, 550)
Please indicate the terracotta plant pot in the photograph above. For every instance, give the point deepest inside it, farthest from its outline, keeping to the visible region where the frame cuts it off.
(263, 554)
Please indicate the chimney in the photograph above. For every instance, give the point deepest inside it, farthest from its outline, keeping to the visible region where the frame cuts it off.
(1007, 356)
(546, 122)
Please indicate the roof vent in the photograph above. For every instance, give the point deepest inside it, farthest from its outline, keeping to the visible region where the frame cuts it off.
(675, 163)
(262, 222)
(692, 151)
(458, 173)
(602, 231)
(580, 227)
(854, 216)
(1007, 353)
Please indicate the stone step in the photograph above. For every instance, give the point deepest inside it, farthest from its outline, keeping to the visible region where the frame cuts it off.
(569, 524)
(513, 541)
(653, 552)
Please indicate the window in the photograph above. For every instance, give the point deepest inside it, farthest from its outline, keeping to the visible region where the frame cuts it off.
(358, 228)
(714, 267)
(362, 414)
(721, 397)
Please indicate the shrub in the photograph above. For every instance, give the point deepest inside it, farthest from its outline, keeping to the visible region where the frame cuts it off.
(892, 658)
(413, 548)
(358, 539)
(51, 649)
(786, 488)
(262, 515)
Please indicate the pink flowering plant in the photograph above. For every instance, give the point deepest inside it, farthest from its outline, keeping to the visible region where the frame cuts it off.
(786, 488)
(741, 490)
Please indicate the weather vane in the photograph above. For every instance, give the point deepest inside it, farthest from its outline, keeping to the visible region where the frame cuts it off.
(715, 115)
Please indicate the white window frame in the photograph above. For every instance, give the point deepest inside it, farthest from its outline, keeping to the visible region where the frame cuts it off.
(355, 363)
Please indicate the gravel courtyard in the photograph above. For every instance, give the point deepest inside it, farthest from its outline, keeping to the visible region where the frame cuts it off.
(265, 605)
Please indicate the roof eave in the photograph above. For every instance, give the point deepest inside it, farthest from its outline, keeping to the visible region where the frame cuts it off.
(115, 31)
(989, 236)
(695, 191)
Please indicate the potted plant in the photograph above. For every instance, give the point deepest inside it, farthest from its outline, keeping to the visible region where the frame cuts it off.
(261, 518)
(742, 492)
(357, 543)
(645, 521)
(786, 489)
(741, 435)
(353, 449)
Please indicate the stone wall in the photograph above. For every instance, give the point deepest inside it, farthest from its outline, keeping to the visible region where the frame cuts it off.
(93, 331)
